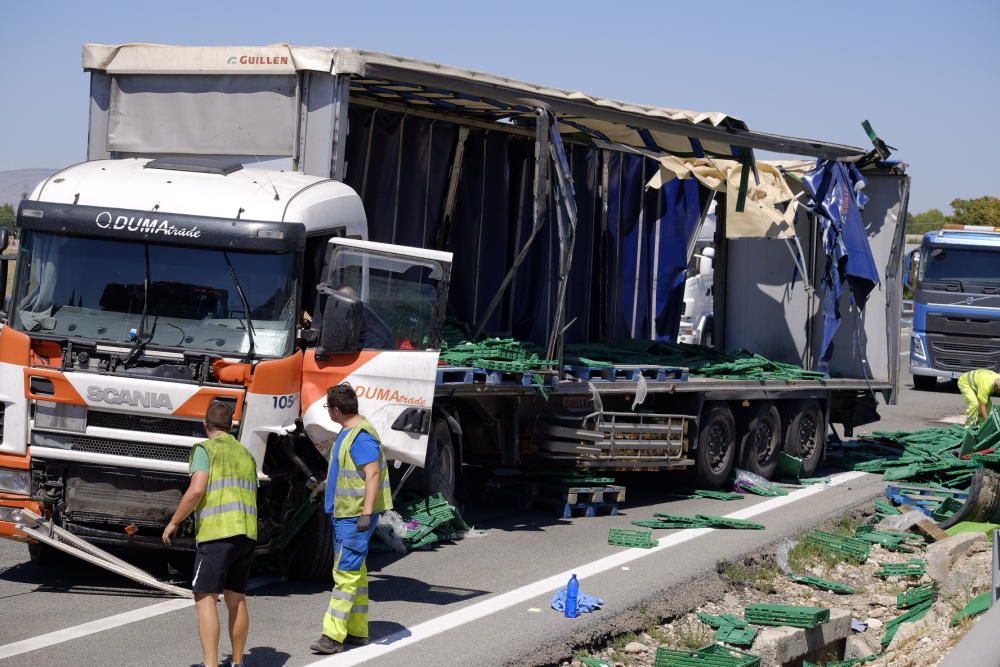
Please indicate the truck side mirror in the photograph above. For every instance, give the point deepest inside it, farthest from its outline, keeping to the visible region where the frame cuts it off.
(910, 270)
(4, 270)
(341, 328)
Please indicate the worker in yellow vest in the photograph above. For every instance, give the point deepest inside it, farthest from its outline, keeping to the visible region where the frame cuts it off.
(223, 497)
(976, 387)
(357, 492)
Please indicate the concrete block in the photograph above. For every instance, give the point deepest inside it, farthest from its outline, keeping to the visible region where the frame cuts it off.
(942, 556)
(780, 645)
(857, 647)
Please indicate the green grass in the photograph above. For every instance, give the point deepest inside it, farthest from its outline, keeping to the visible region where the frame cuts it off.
(760, 574)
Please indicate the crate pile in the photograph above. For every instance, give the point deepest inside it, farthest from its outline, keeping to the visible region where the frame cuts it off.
(431, 520)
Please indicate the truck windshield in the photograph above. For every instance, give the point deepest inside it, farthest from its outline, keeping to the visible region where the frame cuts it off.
(960, 265)
(95, 289)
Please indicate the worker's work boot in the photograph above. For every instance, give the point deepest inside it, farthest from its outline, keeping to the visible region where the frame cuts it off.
(326, 646)
(352, 640)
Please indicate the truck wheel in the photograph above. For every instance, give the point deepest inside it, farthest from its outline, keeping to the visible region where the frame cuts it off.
(924, 382)
(312, 559)
(805, 436)
(42, 555)
(441, 466)
(761, 440)
(716, 452)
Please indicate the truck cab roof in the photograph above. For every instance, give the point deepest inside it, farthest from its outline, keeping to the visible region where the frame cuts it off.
(979, 237)
(210, 187)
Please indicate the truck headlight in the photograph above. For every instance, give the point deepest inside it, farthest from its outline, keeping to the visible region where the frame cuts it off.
(917, 347)
(60, 416)
(15, 481)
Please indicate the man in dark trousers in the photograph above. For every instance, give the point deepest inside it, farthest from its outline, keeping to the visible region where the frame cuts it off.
(357, 492)
(223, 497)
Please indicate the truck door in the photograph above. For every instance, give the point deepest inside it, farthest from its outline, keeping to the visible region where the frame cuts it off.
(403, 293)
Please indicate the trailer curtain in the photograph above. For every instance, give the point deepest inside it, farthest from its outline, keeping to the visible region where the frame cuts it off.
(627, 277)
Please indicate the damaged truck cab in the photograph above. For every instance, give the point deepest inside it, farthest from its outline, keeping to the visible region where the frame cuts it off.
(145, 289)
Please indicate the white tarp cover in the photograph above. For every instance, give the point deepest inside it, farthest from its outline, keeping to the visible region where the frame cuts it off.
(219, 115)
(465, 93)
(770, 207)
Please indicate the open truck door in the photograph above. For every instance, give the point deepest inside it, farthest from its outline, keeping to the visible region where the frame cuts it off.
(382, 309)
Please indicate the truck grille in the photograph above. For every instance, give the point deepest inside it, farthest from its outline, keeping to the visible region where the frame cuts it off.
(83, 443)
(127, 422)
(615, 440)
(963, 353)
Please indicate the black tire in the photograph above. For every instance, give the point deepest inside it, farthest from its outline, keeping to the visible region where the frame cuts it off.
(924, 382)
(805, 436)
(441, 467)
(760, 441)
(42, 555)
(312, 550)
(716, 452)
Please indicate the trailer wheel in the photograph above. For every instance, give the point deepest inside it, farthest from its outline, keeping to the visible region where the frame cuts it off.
(805, 436)
(761, 440)
(716, 451)
(312, 558)
(924, 382)
(441, 467)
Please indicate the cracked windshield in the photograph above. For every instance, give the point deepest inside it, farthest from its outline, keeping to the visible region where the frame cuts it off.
(96, 289)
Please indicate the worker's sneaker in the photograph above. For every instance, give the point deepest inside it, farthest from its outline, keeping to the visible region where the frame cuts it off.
(352, 640)
(326, 646)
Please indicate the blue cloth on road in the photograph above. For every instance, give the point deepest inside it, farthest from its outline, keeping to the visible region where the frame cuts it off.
(350, 548)
(365, 450)
(584, 603)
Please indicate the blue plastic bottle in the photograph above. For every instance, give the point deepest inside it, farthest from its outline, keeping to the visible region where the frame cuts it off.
(572, 593)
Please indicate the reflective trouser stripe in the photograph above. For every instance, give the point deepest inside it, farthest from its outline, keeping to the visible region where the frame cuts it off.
(231, 482)
(347, 612)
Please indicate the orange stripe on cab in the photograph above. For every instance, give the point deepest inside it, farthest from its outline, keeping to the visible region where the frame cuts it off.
(63, 391)
(318, 376)
(197, 405)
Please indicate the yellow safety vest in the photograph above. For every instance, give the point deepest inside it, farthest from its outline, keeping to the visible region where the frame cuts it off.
(229, 506)
(349, 492)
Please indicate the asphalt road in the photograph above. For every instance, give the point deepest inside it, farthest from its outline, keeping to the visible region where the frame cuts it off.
(480, 601)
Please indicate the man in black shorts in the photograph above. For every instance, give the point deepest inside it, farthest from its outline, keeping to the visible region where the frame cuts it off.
(223, 496)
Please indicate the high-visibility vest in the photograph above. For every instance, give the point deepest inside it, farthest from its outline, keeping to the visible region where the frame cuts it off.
(349, 492)
(229, 506)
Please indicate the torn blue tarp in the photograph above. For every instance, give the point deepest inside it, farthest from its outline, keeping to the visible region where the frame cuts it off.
(835, 188)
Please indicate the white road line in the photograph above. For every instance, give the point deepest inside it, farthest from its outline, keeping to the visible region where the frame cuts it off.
(100, 625)
(478, 610)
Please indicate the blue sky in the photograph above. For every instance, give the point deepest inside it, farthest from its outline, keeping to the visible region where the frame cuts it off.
(925, 73)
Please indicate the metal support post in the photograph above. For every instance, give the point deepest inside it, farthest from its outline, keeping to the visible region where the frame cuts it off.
(540, 208)
(100, 108)
(566, 217)
(444, 231)
(322, 126)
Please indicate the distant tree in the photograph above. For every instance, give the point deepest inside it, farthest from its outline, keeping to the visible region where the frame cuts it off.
(928, 221)
(981, 211)
(6, 215)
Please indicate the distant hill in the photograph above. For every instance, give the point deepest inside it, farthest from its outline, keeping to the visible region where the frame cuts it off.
(15, 182)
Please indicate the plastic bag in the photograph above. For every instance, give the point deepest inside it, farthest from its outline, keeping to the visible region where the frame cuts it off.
(902, 522)
(781, 556)
(391, 529)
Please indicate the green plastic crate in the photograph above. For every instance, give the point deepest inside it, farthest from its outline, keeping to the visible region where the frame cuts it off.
(824, 584)
(851, 548)
(976, 606)
(915, 596)
(631, 538)
(713, 655)
(796, 616)
(721, 620)
(914, 568)
(729, 634)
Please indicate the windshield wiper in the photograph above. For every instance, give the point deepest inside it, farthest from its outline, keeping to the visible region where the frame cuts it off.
(141, 340)
(246, 305)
